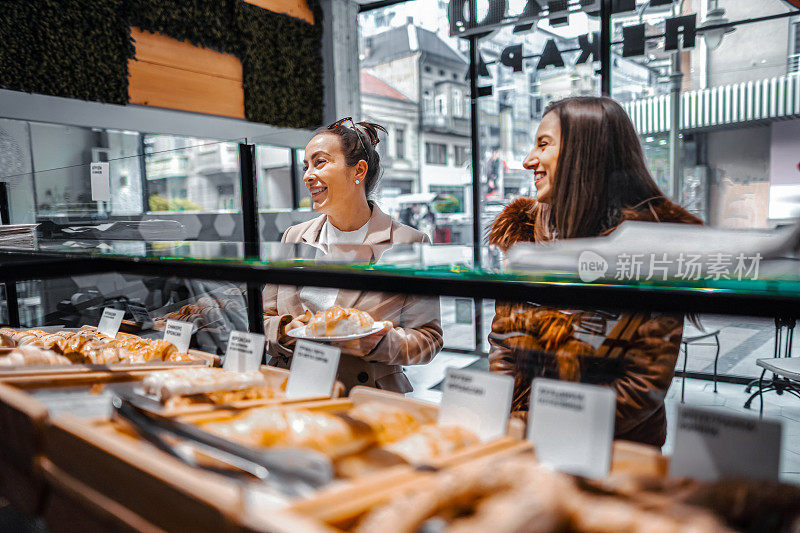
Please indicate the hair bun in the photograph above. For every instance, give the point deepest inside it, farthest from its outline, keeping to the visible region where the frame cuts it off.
(371, 130)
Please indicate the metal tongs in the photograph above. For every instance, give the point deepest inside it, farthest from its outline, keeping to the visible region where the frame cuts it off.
(293, 472)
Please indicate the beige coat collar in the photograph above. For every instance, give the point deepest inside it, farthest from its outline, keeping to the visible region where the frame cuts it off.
(379, 231)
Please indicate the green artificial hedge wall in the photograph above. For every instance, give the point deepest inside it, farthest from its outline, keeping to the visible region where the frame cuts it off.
(72, 48)
(80, 49)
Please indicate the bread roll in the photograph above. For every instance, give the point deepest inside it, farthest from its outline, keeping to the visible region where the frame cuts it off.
(432, 442)
(389, 422)
(332, 435)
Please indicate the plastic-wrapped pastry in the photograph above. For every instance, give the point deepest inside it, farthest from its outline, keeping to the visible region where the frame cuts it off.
(29, 337)
(389, 422)
(183, 381)
(32, 356)
(330, 434)
(339, 321)
(432, 442)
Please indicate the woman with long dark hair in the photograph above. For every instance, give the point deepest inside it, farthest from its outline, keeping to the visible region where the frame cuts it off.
(590, 176)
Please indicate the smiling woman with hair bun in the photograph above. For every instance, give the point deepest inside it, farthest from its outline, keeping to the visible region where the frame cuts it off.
(341, 172)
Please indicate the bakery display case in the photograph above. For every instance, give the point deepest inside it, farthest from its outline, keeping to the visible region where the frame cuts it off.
(360, 459)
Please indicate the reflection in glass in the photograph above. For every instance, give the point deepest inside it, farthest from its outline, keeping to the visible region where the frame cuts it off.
(730, 158)
(186, 175)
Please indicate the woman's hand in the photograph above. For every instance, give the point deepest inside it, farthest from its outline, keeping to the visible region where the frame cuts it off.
(297, 322)
(363, 346)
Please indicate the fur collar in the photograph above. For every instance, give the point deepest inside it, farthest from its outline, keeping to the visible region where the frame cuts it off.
(516, 222)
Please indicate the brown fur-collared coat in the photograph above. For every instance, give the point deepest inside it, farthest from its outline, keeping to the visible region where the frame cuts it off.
(634, 354)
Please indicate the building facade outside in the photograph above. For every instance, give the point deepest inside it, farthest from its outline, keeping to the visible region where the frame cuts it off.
(732, 172)
(399, 150)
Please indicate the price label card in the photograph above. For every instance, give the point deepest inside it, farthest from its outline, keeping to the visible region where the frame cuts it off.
(140, 314)
(244, 352)
(313, 370)
(100, 182)
(477, 401)
(110, 321)
(710, 445)
(179, 333)
(572, 426)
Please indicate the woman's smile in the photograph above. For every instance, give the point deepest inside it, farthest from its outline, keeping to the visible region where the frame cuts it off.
(317, 192)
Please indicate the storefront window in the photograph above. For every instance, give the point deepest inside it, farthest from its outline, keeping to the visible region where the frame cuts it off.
(735, 162)
(526, 71)
(414, 82)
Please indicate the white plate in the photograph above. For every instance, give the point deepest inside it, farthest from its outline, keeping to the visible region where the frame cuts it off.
(300, 333)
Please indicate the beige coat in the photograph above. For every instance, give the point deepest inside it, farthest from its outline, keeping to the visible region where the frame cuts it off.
(417, 333)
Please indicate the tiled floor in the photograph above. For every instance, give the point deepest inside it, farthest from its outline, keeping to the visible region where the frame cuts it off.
(729, 398)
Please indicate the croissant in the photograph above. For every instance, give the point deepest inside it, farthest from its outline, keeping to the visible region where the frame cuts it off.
(339, 321)
(86, 346)
(569, 359)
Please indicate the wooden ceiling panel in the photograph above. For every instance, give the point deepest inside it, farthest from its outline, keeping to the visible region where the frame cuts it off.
(295, 8)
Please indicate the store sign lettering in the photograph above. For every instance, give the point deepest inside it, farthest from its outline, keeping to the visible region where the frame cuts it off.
(633, 37)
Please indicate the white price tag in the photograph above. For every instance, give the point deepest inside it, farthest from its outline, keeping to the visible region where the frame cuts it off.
(710, 445)
(572, 426)
(100, 182)
(313, 370)
(110, 321)
(244, 352)
(477, 401)
(179, 333)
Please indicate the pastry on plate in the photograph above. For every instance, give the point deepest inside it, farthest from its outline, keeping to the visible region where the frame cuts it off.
(338, 321)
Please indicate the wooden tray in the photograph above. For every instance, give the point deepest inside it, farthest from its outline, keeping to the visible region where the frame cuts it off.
(105, 457)
(22, 421)
(424, 411)
(23, 417)
(55, 370)
(236, 406)
(75, 507)
(118, 471)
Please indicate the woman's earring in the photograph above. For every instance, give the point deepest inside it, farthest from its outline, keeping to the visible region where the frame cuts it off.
(358, 181)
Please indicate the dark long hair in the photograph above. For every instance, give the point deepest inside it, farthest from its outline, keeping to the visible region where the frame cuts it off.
(601, 169)
(354, 150)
